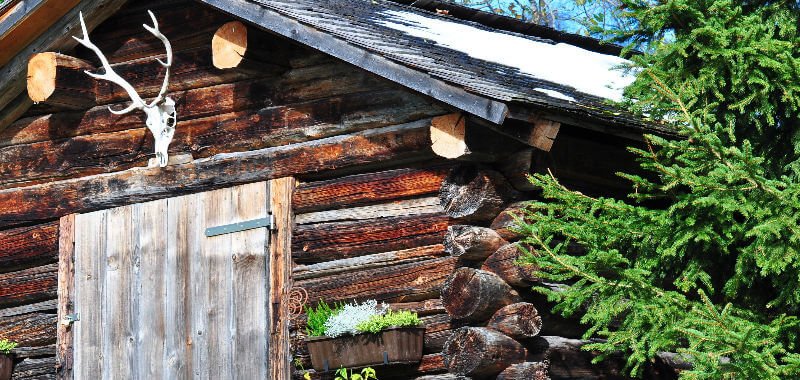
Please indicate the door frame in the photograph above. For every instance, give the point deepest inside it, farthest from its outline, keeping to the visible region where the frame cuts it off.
(280, 267)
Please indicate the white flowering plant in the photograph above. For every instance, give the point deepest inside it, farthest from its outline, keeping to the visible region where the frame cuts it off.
(346, 320)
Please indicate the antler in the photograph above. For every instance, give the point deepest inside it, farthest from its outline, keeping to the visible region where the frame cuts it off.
(110, 75)
(154, 30)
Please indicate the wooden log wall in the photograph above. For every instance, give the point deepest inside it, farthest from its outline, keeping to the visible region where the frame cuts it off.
(312, 114)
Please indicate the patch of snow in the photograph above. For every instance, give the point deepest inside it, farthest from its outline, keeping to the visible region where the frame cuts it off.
(588, 72)
(555, 94)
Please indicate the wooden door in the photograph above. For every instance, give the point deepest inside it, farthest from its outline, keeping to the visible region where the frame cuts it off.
(160, 300)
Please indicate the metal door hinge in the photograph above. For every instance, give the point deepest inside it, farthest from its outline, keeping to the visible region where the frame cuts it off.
(268, 222)
(70, 319)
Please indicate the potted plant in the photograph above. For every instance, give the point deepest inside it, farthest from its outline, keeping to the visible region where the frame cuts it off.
(6, 363)
(365, 334)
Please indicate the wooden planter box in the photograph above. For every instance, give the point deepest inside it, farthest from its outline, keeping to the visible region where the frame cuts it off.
(6, 365)
(391, 346)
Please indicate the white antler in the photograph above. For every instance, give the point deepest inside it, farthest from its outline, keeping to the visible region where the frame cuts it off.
(109, 74)
(154, 29)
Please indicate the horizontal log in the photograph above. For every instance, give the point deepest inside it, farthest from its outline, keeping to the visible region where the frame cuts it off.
(190, 69)
(237, 131)
(518, 166)
(568, 361)
(474, 295)
(397, 283)
(187, 26)
(438, 329)
(406, 207)
(35, 329)
(378, 260)
(474, 194)
(237, 46)
(444, 376)
(360, 189)
(48, 305)
(471, 242)
(28, 285)
(525, 371)
(481, 352)
(422, 308)
(34, 352)
(53, 200)
(453, 136)
(339, 240)
(519, 320)
(60, 80)
(35, 368)
(505, 262)
(27, 247)
(505, 224)
(299, 85)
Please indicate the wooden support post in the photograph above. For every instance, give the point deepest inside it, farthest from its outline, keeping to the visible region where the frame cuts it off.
(280, 268)
(474, 295)
(519, 320)
(471, 242)
(60, 80)
(235, 46)
(481, 352)
(474, 194)
(66, 281)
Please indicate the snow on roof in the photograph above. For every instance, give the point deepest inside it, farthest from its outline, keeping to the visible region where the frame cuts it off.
(588, 72)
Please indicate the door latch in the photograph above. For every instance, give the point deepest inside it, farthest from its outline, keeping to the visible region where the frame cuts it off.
(69, 319)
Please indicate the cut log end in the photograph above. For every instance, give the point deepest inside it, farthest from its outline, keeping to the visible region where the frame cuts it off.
(519, 321)
(525, 371)
(474, 295)
(60, 80)
(229, 45)
(480, 352)
(471, 193)
(41, 76)
(448, 136)
(471, 243)
(505, 263)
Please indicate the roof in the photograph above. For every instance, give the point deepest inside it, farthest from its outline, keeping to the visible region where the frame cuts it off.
(505, 69)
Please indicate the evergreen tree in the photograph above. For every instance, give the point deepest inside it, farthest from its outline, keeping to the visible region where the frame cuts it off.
(704, 258)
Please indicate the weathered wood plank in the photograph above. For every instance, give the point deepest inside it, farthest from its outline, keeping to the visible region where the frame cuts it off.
(183, 217)
(249, 283)
(220, 287)
(120, 311)
(362, 189)
(46, 201)
(397, 283)
(28, 285)
(197, 252)
(245, 130)
(408, 207)
(378, 260)
(338, 240)
(91, 238)
(27, 247)
(281, 192)
(35, 329)
(66, 293)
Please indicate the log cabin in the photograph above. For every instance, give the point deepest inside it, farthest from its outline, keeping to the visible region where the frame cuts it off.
(329, 150)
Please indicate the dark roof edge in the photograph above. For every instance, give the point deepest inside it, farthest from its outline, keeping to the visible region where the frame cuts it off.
(510, 24)
(488, 109)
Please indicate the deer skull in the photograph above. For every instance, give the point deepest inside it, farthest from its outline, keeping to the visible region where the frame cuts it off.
(160, 113)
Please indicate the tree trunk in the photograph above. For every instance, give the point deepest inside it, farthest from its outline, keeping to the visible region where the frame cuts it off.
(525, 371)
(519, 320)
(60, 80)
(471, 243)
(504, 263)
(474, 194)
(234, 45)
(481, 352)
(474, 295)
